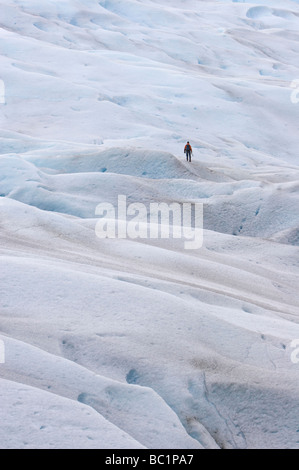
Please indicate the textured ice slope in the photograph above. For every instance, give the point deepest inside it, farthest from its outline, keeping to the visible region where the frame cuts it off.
(141, 343)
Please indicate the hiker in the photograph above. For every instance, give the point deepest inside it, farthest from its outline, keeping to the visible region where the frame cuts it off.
(188, 151)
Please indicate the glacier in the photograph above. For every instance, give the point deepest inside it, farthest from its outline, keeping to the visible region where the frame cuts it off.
(139, 343)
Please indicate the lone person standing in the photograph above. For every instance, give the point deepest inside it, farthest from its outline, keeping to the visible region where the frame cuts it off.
(188, 151)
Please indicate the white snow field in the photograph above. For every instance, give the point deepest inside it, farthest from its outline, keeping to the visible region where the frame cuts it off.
(133, 343)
